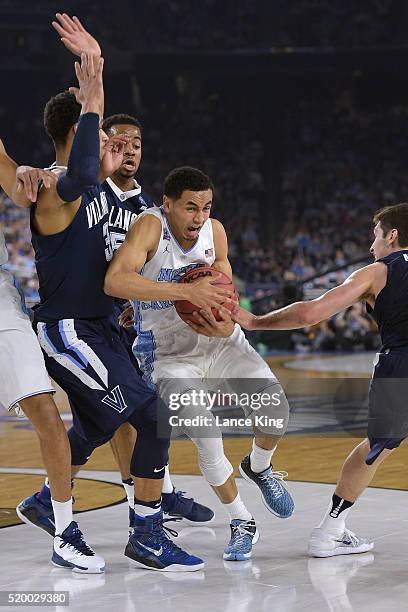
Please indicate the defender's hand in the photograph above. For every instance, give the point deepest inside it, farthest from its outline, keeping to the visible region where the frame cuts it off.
(113, 154)
(28, 179)
(90, 93)
(207, 324)
(244, 318)
(74, 36)
(127, 317)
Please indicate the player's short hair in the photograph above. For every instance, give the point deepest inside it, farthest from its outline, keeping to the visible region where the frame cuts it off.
(394, 217)
(60, 113)
(120, 119)
(185, 178)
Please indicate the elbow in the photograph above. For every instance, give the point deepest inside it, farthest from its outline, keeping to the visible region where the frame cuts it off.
(109, 285)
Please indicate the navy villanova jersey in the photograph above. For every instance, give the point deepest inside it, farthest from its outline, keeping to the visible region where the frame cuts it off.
(71, 265)
(126, 205)
(124, 208)
(391, 306)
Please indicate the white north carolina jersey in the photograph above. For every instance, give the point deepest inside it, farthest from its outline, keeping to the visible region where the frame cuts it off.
(168, 264)
(3, 249)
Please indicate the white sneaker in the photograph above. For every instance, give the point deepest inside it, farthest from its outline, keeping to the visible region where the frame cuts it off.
(325, 544)
(71, 551)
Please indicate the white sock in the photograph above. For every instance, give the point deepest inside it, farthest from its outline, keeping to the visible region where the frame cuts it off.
(260, 459)
(237, 510)
(62, 514)
(167, 484)
(130, 491)
(334, 525)
(143, 511)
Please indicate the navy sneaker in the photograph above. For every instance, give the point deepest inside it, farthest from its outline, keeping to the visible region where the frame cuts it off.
(176, 506)
(149, 547)
(275, 497)
(243, 535)
(36, 513)
(72, 552)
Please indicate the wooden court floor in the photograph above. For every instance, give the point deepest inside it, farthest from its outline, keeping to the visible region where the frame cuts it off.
(307, 458)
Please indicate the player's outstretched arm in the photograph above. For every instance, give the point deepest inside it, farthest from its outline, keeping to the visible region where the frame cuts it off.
(124, 280)
(74, 36)
(356, 287)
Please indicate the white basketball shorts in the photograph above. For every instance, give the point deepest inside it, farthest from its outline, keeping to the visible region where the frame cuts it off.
(22, 369)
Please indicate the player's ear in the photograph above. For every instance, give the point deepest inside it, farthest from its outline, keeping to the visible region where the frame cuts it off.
(166, 204)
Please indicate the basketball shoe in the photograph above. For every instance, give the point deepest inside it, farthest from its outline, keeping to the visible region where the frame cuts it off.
(37, 512)
(275, 497)
(71, 551)
(243, 535)
(149, 547)
(323, 543)
(176, 506)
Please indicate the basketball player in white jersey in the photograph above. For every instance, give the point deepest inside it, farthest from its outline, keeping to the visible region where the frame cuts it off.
(25, 384)
(162, 244)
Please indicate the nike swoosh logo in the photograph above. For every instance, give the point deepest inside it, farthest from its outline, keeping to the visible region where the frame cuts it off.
(156, 470)
(152, 550)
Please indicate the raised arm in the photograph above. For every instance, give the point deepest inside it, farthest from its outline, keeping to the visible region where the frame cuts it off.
(124, 280)
(74, 36)
(358, 286)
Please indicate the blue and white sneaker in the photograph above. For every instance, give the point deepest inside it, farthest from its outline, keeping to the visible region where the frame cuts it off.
(149, 547)
(36, 513)
(72, 552)
(275, 497)
(176, 506)
(243, 535)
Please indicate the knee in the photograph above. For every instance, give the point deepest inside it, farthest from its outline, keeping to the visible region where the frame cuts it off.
(212, 461)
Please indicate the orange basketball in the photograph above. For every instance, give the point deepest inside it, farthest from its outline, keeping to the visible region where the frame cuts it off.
(185, 308)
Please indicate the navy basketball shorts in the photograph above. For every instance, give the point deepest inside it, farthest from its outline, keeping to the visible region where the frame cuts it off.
(127, 335)
(89, 361)
(388, 402)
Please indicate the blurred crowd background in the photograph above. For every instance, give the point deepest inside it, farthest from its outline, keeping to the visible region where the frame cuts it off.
(297, 110)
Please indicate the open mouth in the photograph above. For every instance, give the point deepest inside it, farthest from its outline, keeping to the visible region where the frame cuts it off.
(193, 230)
(129, 165)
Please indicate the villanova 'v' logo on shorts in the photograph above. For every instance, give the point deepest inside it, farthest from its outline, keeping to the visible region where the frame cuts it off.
(114, 399)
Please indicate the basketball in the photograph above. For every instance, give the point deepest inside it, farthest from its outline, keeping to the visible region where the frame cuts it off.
(185, 308)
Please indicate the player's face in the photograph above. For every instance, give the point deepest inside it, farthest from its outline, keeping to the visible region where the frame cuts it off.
(383, 244)
(188, 214)
(133, 150)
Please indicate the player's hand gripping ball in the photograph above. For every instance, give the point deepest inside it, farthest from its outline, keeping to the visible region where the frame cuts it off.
(185, 308)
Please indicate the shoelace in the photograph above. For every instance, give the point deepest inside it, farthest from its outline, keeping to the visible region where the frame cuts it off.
(76, 542)
(273, 477)
(351, 536)
(243, 530)
(160, 530)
